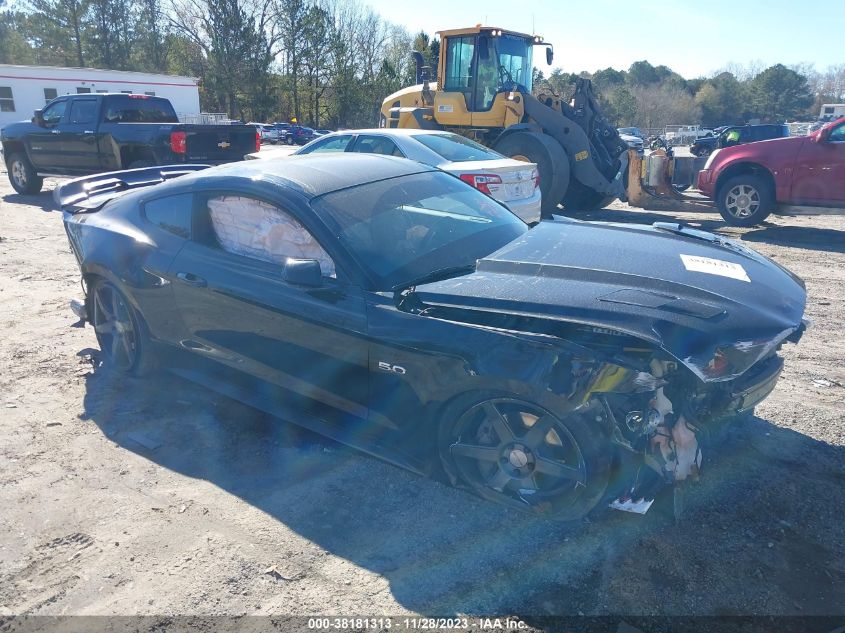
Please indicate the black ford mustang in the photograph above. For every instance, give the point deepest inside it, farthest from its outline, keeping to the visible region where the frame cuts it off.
(394, 308)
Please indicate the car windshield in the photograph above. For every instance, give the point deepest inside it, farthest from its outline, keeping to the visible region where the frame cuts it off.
(515, 59)
(405, 228)
(455, 148)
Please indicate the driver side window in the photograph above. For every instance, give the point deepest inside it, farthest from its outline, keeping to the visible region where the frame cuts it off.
(487, 82)
(254, 228)
(53, 113)
(837, 134)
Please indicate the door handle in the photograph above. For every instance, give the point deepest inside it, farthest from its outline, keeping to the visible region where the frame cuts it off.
(88, 132)
(192, 280)
(54, 131)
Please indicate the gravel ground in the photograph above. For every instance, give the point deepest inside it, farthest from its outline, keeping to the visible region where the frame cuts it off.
(159, 497)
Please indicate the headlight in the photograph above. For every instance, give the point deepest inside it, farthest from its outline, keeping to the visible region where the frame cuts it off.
(726, 362)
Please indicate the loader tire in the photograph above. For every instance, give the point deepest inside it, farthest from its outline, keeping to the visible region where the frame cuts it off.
(581, 198)
(552, 163)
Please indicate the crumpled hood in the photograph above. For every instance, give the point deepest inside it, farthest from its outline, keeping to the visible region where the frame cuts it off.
(690, 292)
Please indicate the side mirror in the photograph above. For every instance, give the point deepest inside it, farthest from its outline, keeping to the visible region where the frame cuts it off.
(303, 272)
(38, 119)
(550, 55)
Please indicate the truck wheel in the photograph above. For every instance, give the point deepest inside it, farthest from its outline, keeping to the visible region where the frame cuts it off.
(745, 200)
(22, 175)
(580, 198)
(552, 163)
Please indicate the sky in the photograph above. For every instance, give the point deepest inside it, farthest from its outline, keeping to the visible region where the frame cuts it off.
(692, 38)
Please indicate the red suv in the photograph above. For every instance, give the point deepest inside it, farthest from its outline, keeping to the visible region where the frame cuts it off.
(748, 182)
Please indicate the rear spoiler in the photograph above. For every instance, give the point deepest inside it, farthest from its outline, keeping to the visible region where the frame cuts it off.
(89, 193)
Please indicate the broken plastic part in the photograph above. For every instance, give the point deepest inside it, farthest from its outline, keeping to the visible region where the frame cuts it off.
(640, 506)
(78, 308)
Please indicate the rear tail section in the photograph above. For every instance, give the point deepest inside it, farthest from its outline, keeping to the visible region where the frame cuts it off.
(89, 193)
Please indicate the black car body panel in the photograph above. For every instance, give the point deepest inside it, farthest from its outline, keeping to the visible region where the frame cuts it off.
(632, 279)
(571, 316)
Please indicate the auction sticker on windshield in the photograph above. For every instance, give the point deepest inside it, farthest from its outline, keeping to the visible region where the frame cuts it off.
(695, 263)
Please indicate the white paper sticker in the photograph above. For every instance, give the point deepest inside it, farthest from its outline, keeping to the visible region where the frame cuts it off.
(710, 266)
(445, 108)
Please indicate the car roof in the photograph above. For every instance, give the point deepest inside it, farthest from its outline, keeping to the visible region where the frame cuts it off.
(390, 131)
(315, 175)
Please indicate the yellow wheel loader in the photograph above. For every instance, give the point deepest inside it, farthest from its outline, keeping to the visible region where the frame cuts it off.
(483, 90)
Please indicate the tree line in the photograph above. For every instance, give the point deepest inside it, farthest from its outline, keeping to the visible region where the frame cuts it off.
(652, 97)
(329, 63)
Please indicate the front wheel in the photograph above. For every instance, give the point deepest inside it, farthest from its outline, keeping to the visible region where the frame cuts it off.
(517, 453)
(120, 332)
(22, 175)
(745, 200)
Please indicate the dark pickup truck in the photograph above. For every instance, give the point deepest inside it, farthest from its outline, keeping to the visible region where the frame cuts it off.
(85, 134)
(738, 135)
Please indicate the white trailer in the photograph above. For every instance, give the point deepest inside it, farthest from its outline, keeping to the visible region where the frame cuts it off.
(24, 89)
(831, 111)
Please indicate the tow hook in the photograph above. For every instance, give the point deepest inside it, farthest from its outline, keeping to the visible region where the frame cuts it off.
(78, 308)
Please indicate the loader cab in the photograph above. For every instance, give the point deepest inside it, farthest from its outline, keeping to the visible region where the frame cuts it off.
(476, 65)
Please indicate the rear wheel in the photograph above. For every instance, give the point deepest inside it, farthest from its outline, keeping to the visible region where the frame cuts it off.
(552, 163)
(517, 453)
(22, 175)
(120, 332)
(745, 200)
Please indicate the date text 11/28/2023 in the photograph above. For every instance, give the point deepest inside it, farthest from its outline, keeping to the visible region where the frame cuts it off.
(415, 624)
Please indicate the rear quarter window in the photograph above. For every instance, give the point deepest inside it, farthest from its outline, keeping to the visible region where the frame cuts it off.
(173, 213)
(138, 109)
(455, 148)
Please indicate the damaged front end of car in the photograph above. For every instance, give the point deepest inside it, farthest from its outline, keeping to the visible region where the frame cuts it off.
(661, 361)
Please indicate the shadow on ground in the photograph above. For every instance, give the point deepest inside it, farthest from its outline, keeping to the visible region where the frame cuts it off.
(43, 200)
(762, 533)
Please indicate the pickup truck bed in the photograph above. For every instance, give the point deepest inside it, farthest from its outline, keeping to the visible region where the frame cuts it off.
(85, 134)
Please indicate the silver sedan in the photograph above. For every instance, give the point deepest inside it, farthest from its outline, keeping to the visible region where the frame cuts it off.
(514, 183)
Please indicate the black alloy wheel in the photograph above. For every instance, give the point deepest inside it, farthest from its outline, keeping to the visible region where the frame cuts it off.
(119, 331)
(519, 454)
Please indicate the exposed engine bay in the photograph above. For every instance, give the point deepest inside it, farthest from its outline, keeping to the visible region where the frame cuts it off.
(657, 410)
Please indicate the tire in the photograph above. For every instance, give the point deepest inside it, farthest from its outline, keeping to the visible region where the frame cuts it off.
(120, 331)
(551, 159)
(141, 163)
(22, 174)
(580, 198)
(517, 453)
(745, 200)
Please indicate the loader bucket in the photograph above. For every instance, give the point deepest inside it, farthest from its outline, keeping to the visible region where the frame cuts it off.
(651, 180)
